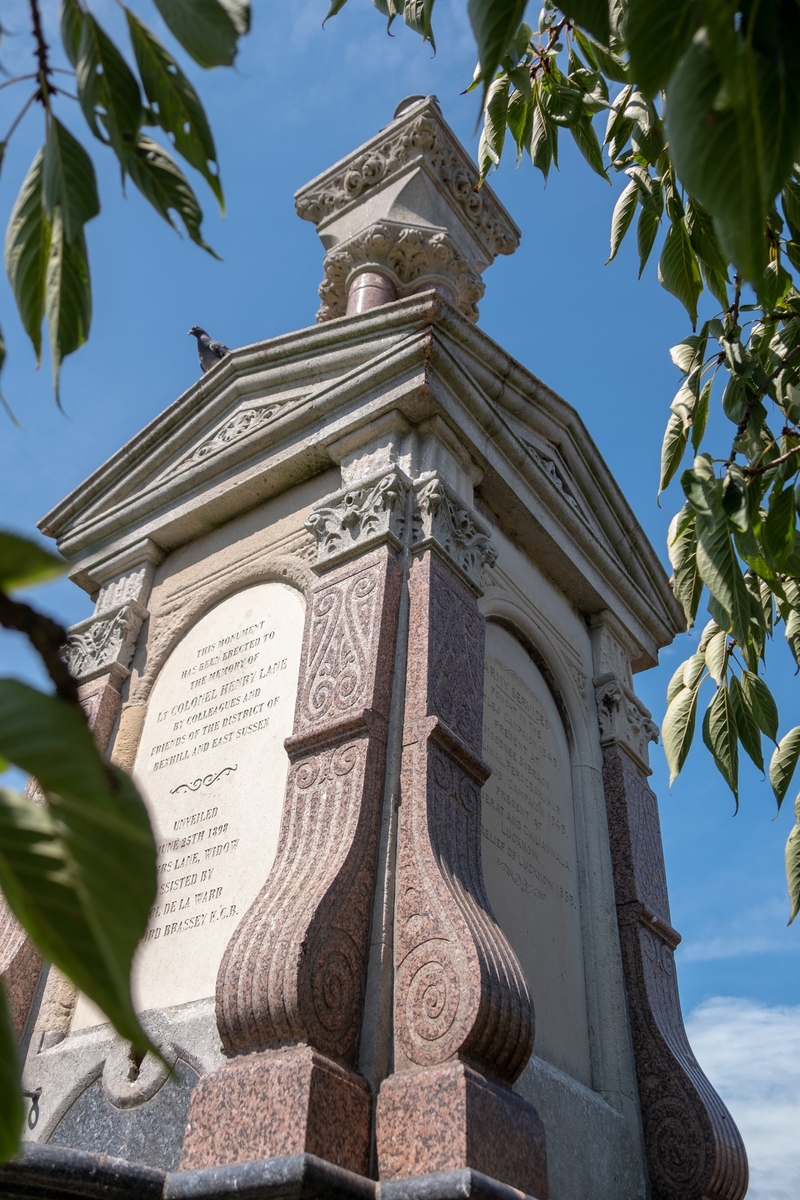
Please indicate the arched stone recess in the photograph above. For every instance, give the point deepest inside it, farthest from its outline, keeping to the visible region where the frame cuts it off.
(552, 898)
(212, 768)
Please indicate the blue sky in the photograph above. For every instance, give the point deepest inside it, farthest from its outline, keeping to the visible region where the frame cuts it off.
(300, 99)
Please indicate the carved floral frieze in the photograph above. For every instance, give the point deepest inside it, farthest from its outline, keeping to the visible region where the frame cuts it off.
(441, 519)
(410, 255)
(426, 138)
(104, 643)
(624, 718)
(349, 520)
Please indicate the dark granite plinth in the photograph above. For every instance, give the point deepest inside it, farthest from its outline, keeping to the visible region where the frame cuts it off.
(52, 1173)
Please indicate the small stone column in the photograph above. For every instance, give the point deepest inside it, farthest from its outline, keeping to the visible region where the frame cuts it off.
(694, 1150)
(290, 987)
(462, 1012)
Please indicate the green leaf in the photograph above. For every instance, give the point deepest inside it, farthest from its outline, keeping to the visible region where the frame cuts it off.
(417, 15)
(777, 531)
(161, 181)
(176, 103)
(688, 675)
(700, 418)
(622, 216)
(72, 17)
(585, 137)
(69, 182)
(677, 730)
(657, 33)
(732, 136)
(790, 199)
(747, 725)
(107, 87)
(720, 735)
(672, 449)
(759, 700)
(68, 296)
(493, 134)
(12, 1109)
(205, 28)
(27, 251)
(793, 864)
(783, 763)
(494, 24)
(24, 563)
(591, 15)
(520, 120)
(719, 569)
(678, 271)
(703, 237)
(646, 232)
(682, 548)
(79, 874)
(716, 656)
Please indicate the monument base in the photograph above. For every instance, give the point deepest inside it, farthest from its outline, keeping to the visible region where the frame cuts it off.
(451, 1117)
(56, 1173)
(279, 1103)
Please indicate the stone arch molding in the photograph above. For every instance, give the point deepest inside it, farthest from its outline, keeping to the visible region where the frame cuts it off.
(166, 626)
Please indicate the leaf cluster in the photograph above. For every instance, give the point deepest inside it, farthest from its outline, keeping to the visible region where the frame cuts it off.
(77, 858)
(122, 103)
(700, 105)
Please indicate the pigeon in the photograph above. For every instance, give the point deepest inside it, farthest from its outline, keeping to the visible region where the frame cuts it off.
(208, 351)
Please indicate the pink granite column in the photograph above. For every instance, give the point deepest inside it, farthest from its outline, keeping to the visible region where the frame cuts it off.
(463, 1015)
(694, 1150)
(290, 987)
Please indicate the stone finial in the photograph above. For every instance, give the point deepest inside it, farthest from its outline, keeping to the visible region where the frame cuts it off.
(403, 214)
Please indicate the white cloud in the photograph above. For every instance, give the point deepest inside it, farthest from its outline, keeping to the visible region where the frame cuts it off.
(751, 1054)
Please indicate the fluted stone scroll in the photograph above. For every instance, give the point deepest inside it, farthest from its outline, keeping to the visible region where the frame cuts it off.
(694, 1150)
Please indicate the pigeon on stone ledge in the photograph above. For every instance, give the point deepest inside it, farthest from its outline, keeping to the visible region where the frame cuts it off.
(208, 351)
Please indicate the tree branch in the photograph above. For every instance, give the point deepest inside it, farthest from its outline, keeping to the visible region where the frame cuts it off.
(42, 52)
(48, 639)
(756, 396)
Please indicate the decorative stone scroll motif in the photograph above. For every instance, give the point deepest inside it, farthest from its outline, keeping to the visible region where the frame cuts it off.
(624, 718)
(412, 256)
(459, 987)
(104, 643)
(421, 136)
(347, 522)
(293, 970)
(556, 476)
(441, 520)
(243, 423)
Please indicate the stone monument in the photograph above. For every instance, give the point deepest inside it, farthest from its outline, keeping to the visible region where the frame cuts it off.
(368, 606)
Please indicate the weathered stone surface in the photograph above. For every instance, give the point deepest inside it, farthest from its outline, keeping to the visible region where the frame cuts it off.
(460, 1120)
(289, 1102)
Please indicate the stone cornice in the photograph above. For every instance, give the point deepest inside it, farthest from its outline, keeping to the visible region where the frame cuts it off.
(419, 137)
(417, 356)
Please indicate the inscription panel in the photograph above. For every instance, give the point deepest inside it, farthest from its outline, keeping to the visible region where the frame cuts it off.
(212, 769)
(529, 850)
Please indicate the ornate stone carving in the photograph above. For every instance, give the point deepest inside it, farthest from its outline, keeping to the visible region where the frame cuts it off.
(694, 1150)
(441, 520)
(244, 422)
(555, 475)
(459, 989)
(104, 643)
(623, 717)
(460, 996)
(410, 255)
(350, 520)
(294, 968)
(422, 137)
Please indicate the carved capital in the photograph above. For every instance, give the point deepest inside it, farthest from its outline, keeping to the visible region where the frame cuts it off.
(352, 521)
(104, 644)
(623, 718)
(442, 522)
(413, 257)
